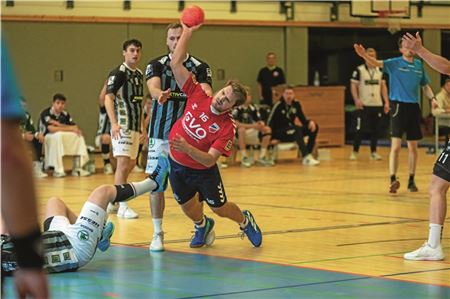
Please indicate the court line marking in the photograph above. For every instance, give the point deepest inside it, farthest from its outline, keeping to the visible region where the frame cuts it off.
(289, 265)
(299, 230)
(314, 283)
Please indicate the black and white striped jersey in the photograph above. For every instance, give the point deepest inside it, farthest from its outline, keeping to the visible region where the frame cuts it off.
(49, 114)
(127, 85)
(164, 116)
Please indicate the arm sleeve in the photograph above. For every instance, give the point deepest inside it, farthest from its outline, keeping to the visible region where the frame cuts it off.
(301, 115)
(356, 75)
(154, 69)
(274, 116)
(224, 144)
(282, 78)
(259, 78)
(204, 74)
(425, 79)
(43, 122)
(115, 81)
(388, 64)
(192, 88)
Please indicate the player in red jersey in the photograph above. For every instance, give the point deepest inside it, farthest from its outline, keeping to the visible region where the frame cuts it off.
(198, 138)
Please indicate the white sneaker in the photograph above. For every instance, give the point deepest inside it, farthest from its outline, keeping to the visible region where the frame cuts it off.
(57, 174)
(353, 156)
(112, 208)
(80, 172)
(425, 253)
(127, 213)
(309, 160)
(37, 170)
(107, 169)
(245, 162)
(157, 244)
(374, 156)
(137, 169)
(223, 165)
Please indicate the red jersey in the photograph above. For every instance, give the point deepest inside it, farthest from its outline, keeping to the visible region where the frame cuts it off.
(201, 127)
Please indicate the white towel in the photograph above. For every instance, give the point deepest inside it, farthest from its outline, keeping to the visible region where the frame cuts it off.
(62, 144)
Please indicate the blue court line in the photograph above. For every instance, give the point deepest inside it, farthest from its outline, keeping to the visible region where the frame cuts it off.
(127, 272)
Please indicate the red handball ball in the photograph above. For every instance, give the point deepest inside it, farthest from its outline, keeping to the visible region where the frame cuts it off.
(193, 16)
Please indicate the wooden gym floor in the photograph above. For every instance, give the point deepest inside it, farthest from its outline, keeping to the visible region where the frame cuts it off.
(331, 231)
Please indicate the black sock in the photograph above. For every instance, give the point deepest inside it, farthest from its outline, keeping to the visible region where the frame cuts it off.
(105, 153)
(393, 178)
(411, 179)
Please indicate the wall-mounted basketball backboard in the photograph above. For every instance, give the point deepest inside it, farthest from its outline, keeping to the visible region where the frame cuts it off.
(380, 8)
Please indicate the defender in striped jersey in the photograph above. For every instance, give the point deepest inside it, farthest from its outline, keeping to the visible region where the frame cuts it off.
(168, 103)
(123, 102)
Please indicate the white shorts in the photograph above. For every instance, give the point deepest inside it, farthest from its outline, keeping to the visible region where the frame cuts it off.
(126, 145)
(252, 136)
(155, 148)
(85, 233)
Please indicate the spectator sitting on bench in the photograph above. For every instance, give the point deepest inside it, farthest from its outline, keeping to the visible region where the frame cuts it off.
(289, 123)
(34, 139)
(252, 130)
(62, 138)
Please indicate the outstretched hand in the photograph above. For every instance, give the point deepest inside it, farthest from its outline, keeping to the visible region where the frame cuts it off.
(411, 42)
(193, 28)
(164, 96)
(360, 50)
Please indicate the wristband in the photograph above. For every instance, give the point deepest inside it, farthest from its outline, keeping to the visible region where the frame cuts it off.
(102, 109)
(28, 250)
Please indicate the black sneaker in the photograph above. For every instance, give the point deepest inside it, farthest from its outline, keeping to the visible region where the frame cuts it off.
(412, 187)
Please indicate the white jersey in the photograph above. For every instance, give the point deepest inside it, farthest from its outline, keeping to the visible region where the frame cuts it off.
(369, 88)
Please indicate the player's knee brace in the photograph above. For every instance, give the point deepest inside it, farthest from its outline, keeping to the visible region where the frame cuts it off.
(125, 192)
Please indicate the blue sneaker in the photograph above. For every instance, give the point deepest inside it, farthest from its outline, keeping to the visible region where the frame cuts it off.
(105, 240)
(201, 234)
(161, 173)
(252, 229)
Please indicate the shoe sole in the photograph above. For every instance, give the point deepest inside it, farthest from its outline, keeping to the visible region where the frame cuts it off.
(109, 238)
(157, 250)
(424, 259)
(394, 187)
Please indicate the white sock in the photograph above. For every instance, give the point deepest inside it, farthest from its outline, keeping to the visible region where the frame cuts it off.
(262, 153)
(123, 204)
(434, 235)
(202, 223)
(243, 153)
(244, 223)
(144, 186)
(157, 225)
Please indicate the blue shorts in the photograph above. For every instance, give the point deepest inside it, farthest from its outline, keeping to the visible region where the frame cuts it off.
(186, 182)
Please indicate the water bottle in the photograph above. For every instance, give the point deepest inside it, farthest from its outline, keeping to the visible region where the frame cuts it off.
(316, 78)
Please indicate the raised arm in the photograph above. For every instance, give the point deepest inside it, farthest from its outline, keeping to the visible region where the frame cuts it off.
(361, 51)
(179, 70)
(437, 62)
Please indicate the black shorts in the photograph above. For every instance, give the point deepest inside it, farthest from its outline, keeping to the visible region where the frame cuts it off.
(442, 165)
(368, 120)
(405, 118)
(186, 182)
